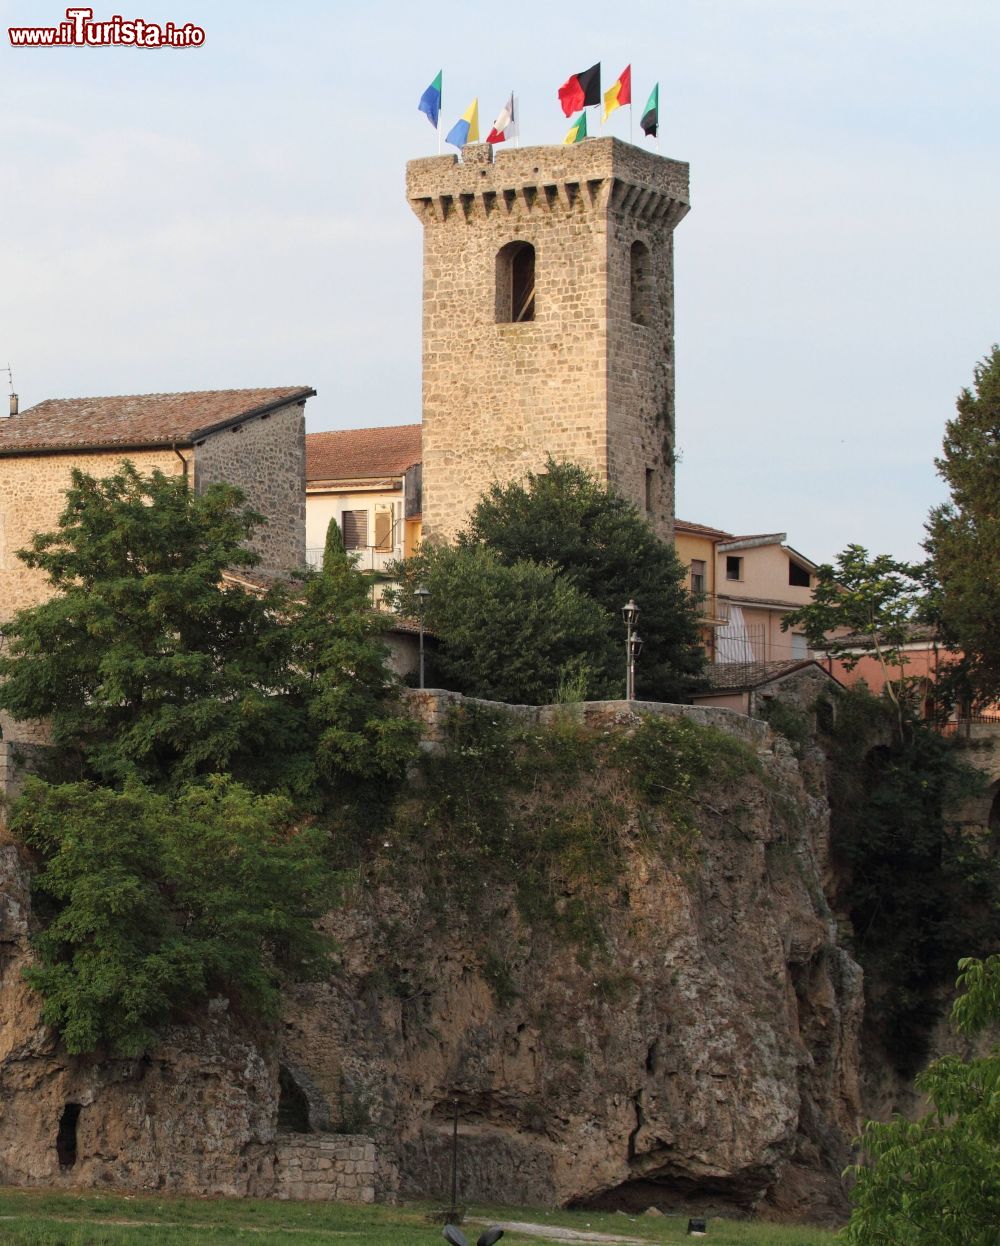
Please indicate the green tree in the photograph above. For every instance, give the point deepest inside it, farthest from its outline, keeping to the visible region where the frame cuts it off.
(149, 667)
(513, 632)
(333, 546)
(919, 891)
(873, 602)
(565, 518)
(340, 685)
(936, 1181)
(963, 534)
(145, 666)
(151, 904)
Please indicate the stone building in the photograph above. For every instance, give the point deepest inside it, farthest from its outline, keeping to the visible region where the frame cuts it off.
(254, 438)
(547, 320)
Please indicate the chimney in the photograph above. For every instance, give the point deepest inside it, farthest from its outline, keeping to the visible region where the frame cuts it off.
(13, 404)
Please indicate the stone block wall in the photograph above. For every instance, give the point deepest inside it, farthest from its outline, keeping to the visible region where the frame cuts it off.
(583, 380)
(32, 497)
(323, 1167)
(431, 707)
(266, 458)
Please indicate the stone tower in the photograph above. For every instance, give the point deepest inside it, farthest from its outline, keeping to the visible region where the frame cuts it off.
(548, 323)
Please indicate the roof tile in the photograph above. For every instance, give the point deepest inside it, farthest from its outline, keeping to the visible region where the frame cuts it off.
(136, 419)
(362, 453)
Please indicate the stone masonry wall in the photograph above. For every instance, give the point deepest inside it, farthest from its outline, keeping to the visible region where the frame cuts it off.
(32, 497)
(266, 458)
(325, 1167)
(582, 381)
(431, 707)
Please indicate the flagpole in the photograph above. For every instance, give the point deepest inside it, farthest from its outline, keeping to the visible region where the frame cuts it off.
(516, 118)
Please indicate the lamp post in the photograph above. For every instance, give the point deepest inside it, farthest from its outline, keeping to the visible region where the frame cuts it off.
(421, 592)
(634, 648)
(630, 612)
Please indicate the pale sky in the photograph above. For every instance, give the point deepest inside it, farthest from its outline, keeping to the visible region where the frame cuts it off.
(234, 216)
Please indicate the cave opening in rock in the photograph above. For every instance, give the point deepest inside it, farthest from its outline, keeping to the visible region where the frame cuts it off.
(293, 1106)
(66, 1137)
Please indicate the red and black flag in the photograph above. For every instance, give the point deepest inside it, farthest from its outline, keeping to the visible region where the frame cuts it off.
(581, 90)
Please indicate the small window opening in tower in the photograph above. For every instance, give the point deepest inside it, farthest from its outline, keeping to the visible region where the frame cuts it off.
(515, 283)
(650, 488)
(641, 284)
(66, 1137)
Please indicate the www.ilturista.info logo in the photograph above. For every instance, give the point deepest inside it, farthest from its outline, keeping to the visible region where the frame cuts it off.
(80, 30)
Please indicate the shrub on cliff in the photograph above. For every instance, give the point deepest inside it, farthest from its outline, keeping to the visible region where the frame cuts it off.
(936, 1181)
(150, 905)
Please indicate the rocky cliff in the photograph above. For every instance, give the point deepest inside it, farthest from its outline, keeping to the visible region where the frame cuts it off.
(695, 1045)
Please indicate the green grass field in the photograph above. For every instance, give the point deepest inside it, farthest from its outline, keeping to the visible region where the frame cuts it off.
(42, 1218)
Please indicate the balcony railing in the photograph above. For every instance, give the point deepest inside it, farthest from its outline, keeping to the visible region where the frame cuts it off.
(367, 558)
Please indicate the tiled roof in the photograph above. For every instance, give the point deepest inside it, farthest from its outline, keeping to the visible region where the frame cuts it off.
(700, 529)
(137, 420)
(742, 676)
(362, 453)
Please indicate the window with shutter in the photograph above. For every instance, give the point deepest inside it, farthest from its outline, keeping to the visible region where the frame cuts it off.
(383, 528)
(354, 525)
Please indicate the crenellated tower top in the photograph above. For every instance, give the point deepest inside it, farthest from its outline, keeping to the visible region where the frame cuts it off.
(548, 319)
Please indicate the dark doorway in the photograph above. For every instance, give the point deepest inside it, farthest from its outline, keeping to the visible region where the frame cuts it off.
(66, 1137)
(293, 1106)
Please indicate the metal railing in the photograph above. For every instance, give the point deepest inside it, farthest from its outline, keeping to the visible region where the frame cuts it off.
(367, 558)
(964, 724)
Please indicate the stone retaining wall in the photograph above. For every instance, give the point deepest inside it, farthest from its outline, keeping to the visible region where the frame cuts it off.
(319, 1167)
(431, 706)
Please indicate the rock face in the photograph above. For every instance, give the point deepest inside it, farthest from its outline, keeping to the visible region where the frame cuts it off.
(195, 1116)
(706, 1058)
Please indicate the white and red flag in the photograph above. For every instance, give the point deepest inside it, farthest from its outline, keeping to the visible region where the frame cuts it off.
(505, 126)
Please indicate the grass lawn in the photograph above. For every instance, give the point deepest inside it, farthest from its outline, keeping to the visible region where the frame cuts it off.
(43, 1218)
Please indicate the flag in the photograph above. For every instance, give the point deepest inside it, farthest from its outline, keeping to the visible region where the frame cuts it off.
(578, 130)
(581, 90)
(505, 126)
(430, 101)
(465, 130)
(619, 94)
(651, 113)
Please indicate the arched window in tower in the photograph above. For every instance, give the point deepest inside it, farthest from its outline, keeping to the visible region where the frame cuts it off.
(515, 283)
(641, 284)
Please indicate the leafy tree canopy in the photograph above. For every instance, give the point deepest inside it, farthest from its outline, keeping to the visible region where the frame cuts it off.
(518, 632)
(600, 546)
(919, 891)
(872, 600)
(963, 534)
(151, 904)
(149, 668)
(936, 1181)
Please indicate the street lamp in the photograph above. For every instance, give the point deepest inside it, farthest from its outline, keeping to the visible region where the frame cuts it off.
(630, 612)
(421, 592)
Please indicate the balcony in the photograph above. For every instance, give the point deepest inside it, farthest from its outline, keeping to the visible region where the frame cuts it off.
(367, 557)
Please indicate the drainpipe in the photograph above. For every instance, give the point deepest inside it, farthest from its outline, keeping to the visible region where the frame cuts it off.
(184, 462)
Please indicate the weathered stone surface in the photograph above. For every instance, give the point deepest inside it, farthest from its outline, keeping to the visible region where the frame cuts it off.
(591, 377)
(710, 1059)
